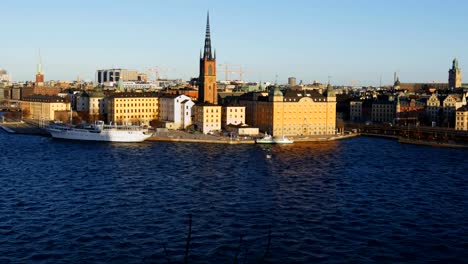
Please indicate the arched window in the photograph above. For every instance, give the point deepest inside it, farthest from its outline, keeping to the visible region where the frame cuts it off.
(210, 70)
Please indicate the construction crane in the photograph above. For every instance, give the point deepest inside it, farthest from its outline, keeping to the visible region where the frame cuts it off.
(232, 69)
(150, 71)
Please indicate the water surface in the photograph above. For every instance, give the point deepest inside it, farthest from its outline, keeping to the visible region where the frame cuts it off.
(362, 200)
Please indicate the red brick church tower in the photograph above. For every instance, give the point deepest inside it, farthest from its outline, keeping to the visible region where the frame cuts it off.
(207, 90)
(39, 74)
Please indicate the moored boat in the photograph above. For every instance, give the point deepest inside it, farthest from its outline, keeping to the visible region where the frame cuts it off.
(268, 139)
(100, 132)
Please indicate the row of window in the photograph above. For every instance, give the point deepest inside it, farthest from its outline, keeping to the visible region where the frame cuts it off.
(136, 100)
(134, 116)
(136, 105)
(135, 111)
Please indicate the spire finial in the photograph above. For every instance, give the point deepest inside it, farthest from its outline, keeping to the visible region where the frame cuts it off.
(39, 65)
(207, 52)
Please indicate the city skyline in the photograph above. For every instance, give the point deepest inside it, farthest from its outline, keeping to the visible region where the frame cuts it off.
(357, 43)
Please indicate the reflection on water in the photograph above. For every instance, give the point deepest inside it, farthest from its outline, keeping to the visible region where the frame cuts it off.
(362, 200)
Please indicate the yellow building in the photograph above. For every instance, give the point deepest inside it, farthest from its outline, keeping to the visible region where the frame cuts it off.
(461, 118)
(207, 118)
(233, 115)
(293, 113)
(43, 107)
(135, 108)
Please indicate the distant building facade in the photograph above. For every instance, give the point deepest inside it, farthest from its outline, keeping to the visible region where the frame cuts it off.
(115, 75)
(355, 111)
(93, 103)
(455, 75)
(44, 107)
(135, 108)
(175, 111)
(383, 111)
(207, 118)
(293, 113)
(232, 115)
(461, 119)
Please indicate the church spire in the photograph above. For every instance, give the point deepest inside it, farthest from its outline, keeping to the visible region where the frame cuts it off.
(39, 65)
(207, 52)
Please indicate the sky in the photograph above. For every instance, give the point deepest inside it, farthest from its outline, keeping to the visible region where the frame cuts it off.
(357, 42)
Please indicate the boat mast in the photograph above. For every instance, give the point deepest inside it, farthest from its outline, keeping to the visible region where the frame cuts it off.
(71, 114)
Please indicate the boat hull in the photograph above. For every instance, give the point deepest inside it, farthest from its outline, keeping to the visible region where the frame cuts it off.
(104, 135)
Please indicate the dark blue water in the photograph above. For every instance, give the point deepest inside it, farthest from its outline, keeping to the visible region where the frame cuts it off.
(363, 200)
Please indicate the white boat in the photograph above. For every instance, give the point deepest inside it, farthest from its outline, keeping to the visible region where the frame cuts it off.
(268, 139)
(283, 140)
(100, 132)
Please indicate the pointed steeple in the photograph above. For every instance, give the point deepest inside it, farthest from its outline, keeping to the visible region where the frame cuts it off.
(207, 51)
(39, 65)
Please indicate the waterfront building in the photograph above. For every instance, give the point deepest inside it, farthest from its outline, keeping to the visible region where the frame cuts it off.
(115, 75)
(455, 75)
(355, 111)
(44, 107)
(293, 113)
(433, 107)
(441, 108)
(410, 109)
(207, 89)
(450, 104)
(132, 107)
(207, 118)
(461, 119)
(175, 111)
(93, 103)
(383, 111)
(232, 115)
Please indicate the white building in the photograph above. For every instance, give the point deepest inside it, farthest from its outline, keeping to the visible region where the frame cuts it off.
(233, 115)
(176, 111)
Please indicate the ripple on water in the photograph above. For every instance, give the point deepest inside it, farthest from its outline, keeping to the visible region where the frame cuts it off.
(361, 200)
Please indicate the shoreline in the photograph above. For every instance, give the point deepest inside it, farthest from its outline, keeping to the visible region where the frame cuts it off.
(430, 143)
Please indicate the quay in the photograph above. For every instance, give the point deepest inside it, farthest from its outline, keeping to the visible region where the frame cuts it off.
(181, 136)
(30, 128)
(24, 128)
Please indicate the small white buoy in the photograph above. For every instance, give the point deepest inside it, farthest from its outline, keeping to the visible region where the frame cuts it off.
(268, 156)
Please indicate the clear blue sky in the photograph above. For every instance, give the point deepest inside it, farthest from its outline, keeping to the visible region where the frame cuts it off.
(357, 40)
